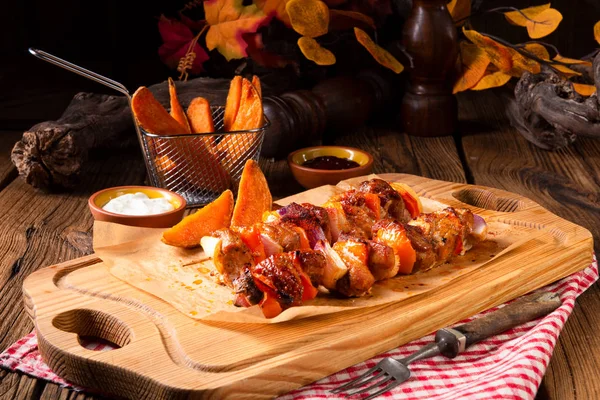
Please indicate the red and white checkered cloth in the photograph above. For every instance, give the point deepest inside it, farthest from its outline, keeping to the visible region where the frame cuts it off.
(507, 366)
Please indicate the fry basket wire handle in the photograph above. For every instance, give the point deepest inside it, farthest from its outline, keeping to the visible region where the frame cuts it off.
(42, 55)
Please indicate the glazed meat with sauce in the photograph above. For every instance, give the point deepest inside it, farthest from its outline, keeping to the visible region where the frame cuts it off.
(390, 200)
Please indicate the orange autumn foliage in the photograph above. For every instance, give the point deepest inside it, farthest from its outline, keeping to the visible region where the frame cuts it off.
(492, 80)
(381, 55)
(313, 51)
(498, 54)
(544, 23)
(151, 115)
(200, 116)
(537, 50)
(227, 21)
(566, 71)
(572, 61)
(583, 89)
(204, 222)
(472, 64)
(308, 17)
(521, 17)
(176, 110)
(253, 198)
(459, 9)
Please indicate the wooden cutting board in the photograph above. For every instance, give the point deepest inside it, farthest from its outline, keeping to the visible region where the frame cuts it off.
(165, 354)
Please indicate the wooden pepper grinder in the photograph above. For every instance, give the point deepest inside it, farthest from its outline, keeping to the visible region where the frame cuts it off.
(429, 36)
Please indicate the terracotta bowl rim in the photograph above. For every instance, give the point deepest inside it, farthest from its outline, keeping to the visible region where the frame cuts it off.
(92, 203)
(330, 171)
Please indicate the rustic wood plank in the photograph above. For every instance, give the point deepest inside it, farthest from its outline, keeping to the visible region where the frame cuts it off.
(55, 392)
(16, 386)
(565, 182)
(42, 229)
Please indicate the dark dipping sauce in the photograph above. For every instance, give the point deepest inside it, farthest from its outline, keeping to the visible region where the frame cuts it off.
(330, 163)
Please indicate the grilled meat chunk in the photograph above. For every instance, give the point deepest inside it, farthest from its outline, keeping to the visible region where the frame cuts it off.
(359, 279)
(278, 276)
(312, 263)
(306, 218)
(283, 234)
(391, 202)
(382, 261)
(234, 261)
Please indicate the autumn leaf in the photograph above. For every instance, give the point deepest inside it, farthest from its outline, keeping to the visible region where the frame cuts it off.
(537, 50)
(459, 9)
(566, 71)
(314, 52)
(572, 61)
(505, 58)
(228, 20)
(472, 62)
(583, 89)
(381, 55)
(177, 38)
(308, 17)
(492, 80)
(275, 8)
(499, 55)
(343, 19)
(522, 64)
(544, 23)
(597, 31)
(520, 17)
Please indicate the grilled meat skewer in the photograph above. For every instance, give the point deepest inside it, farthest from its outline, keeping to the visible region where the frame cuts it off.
(344, 246)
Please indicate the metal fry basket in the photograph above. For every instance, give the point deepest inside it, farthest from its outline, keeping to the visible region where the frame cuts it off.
(200, 167)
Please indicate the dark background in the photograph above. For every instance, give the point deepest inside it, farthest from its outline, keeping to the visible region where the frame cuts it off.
(120, 39)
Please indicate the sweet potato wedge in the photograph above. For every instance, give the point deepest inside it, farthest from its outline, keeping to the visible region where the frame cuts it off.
(256, 84)
(253, 198)
(200, 116)
(176, 110)
(204, 222)
(249, 116)
(233, 102)
(250, 112)
(151, 115)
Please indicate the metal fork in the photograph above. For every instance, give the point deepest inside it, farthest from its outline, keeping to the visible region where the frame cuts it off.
(450, 342)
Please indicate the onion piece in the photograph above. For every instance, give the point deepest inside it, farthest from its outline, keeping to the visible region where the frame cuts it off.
(480, 228)
(210, 245)
(335, 268)
(271, 246)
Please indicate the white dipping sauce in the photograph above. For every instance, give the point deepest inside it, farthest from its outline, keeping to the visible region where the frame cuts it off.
(138, 204)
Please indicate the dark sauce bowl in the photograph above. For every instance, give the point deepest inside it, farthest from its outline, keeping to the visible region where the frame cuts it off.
(310, 177)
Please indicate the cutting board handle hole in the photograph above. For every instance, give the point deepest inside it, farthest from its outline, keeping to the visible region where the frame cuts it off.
(487, 200)
(95, 329)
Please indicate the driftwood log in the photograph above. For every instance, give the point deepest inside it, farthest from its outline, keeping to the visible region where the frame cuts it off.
(548, 112)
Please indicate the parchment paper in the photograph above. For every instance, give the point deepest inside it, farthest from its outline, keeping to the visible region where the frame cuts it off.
(186, 278)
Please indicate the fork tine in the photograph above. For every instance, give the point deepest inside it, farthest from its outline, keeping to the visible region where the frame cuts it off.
(358, 381)
(370, 387)
(382, 391)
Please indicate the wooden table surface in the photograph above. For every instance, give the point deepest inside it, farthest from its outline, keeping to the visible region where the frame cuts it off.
(40, 229)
